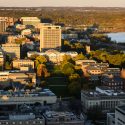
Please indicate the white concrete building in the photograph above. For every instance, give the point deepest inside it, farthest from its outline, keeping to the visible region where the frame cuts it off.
(120, 115)
(43, 96)
(102, 98)
(53, 55)
(110, 118)
(117, 118)
(21, 119)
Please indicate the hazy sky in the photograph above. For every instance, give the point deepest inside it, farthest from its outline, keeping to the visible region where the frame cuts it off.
(39, 3)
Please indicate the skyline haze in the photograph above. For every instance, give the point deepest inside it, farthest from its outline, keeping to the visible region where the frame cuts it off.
(59, 3)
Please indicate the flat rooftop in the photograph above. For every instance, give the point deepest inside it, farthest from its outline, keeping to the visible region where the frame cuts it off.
(38, 92)
(104, 92)
(16, 116)
(52, 115)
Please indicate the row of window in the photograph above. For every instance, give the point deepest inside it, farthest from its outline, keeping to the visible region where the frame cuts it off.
(21, 123)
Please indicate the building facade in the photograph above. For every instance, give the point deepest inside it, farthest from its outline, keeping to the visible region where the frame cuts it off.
(2, 59)
(53, 55)
(23, 78)
(102, 98)
(5, 22)
(117, 118)
(19, 97)
(12, 49)
(21, 119)
(17, 64)
(30, 21)
(120, 115)
(113, 82)
(2, 25)
(62, 118)
(110, 118)
(50, 37)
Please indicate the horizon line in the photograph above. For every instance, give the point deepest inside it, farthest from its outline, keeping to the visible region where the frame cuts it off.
(62, 6)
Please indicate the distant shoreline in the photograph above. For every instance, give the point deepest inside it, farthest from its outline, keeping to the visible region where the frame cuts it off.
(89, 7)
(107, 18)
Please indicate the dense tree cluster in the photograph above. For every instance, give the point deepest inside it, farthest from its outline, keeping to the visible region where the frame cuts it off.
(113, 59)
(106, 18)
(74, 46)
(40, 65)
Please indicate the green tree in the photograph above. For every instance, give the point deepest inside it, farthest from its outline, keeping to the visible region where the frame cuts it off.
(74, 88)
(80, 57)
(7, 66)
(40, 60)
(67, 58)
(42, 71)
(8, 58)
(74, 77)
(33, 57)
(68, 68)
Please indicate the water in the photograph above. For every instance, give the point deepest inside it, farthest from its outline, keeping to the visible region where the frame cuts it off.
(118, 37)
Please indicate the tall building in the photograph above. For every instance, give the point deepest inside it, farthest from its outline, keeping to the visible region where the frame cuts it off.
(5, 22)
(50, 37)
(1, 59)
(12, 49)
(2, 24)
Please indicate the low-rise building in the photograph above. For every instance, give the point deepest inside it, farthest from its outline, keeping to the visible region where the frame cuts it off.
(113, 82)
(19, 97)
(93, 68)
(21, 119)
(102, 98)
(62, 118)
(70, 36)
(20, 26)
(110, 118)
(93, 78)
(117, 118)
(53, 55)
(30, 21)
(12, 49)
(17, 64)
(112, 71)
(26, 32)
(85, 62)
(120, 115)
(6, 77)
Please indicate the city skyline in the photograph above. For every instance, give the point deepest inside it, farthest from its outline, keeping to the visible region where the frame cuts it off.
(67, 3)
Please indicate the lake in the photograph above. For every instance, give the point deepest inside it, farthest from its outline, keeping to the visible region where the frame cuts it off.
(118, 37)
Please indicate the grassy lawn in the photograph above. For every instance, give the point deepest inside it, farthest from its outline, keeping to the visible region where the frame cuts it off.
(60, 91)
(58, 85)
(57, 80)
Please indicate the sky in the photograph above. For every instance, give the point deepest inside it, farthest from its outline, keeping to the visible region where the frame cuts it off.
(75, 3)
